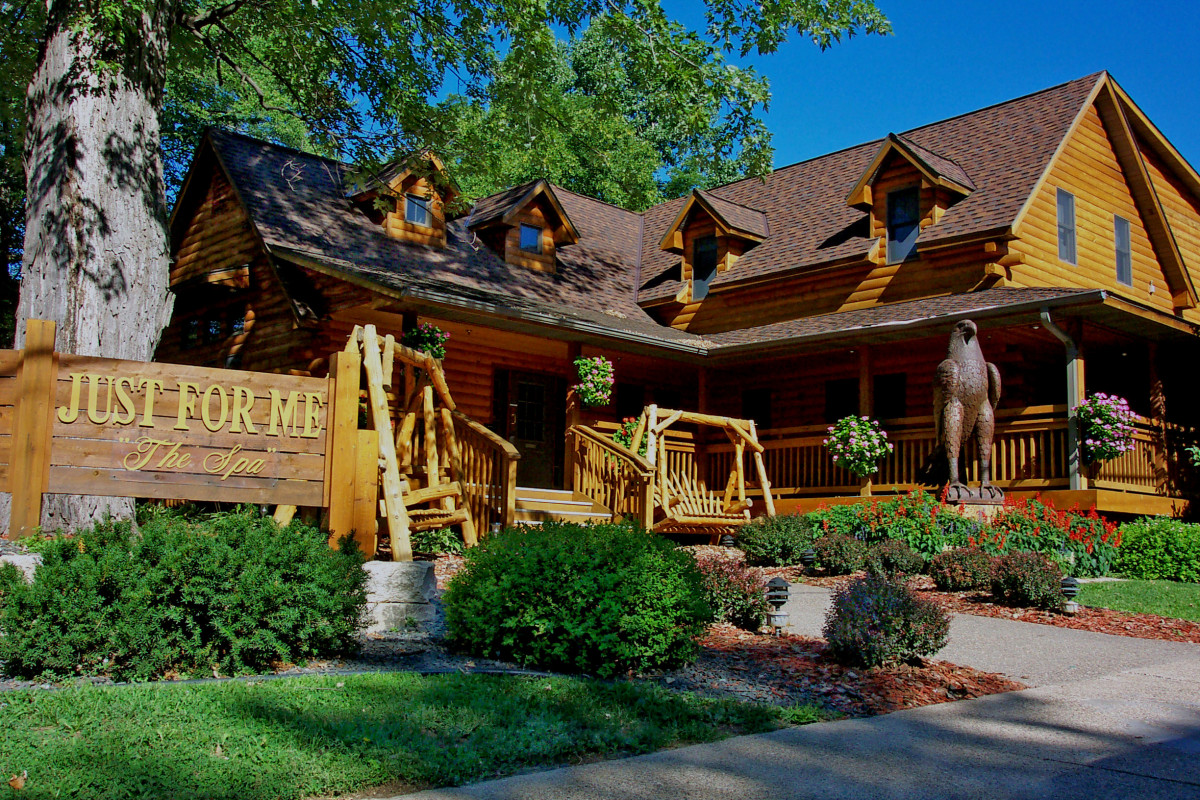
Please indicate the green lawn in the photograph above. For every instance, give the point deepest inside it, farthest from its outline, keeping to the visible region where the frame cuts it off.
(300, 737)
(1164, 598)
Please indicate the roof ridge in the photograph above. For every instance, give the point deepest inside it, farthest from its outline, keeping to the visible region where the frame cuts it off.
(559, 188)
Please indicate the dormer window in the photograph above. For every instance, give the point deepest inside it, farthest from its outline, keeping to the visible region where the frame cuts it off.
(416, 210)
(531, 238)
(704, 266)
(903, 223)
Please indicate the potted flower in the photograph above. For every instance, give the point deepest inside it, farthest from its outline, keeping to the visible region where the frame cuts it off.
(624, 435)
(857, 444)
(1105, 427)
(427, 338)
(595, 380)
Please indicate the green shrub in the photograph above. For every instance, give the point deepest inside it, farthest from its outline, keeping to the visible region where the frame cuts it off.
(735, 593)
(875, 620)
(10, 576)
(918, 519)
(1160, 548)
(603, 599)
(777, 541)
(437, 542)
(186, 594)
(961, 569)
(893, 557)
(840, 555)
(1027, 579)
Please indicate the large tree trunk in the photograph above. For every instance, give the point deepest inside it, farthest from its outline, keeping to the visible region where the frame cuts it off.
(96, 250)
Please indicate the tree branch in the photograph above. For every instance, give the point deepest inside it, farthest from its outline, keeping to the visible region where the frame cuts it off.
(214, 15)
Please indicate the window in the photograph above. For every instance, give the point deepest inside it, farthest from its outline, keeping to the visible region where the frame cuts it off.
(704, 265)
(890, 392)
(1124, 258)
(903, 223)
(416, 210)
(841, 398)
(1066, 226)
(756, 405)
(531, 238)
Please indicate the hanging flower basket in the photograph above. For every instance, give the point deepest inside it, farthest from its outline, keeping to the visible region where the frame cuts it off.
(595, 380)
(427, 338)
(1105, 427)
(857, 444)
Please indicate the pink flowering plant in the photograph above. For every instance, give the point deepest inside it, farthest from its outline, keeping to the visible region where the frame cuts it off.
(427, 338)
(595, 380)
(857, 444)
(1105, 427)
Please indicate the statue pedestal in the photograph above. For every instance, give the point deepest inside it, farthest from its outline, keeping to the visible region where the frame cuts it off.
(983, 512)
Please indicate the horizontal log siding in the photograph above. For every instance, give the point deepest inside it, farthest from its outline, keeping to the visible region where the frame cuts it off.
(218, 242)
(1088, 168)
(1183, 215)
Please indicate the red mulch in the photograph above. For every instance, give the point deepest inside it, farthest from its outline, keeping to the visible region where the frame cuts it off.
(801, 663)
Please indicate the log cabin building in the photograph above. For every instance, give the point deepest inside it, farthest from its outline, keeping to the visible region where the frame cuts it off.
(1063, 222)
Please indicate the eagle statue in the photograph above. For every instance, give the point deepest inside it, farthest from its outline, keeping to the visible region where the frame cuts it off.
(966, 389)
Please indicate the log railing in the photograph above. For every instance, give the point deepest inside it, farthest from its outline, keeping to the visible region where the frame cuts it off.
(611, 475)
(1157, 463)
(490, 473)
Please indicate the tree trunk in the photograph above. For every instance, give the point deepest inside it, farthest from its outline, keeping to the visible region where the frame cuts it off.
(96, 250)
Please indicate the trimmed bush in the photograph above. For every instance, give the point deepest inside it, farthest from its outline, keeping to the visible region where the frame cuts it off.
(186, 594)
(1027, 579)
(10, 576)
(876, 620)
(893, 557)
(840, 555)
(777, 541)
(736, 594)
(602, 599)
(961, 569)
(1160, 548)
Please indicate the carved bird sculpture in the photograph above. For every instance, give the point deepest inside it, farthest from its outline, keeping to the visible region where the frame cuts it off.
(966, 390)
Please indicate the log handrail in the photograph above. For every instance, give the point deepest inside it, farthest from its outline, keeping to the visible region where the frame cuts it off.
(489, 473)
(612, 476)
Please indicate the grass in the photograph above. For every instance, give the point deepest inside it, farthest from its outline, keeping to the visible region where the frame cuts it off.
(1164, 598)
(300, 737)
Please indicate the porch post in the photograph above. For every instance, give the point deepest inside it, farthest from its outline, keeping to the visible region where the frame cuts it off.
(1075, 395)
(1158, 421)
(866, 398)
(573, 418)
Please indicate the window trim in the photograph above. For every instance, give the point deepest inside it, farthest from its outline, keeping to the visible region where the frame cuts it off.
(525, 226)
(421, 202)
(892, 242)
(1127, 252)
(1071, 257)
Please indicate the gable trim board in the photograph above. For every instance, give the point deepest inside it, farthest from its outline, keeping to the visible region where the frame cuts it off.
(860, 195)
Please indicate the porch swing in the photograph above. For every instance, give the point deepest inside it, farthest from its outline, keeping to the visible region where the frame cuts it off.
(683, 502)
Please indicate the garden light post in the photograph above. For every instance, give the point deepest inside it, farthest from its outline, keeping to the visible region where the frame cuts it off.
(1070, 590)
(728, 541)
(777, 596)
(808, 558)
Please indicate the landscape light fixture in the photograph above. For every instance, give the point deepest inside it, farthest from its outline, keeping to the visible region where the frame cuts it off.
(777, 596)
(808, 558)
(1070, 590)
(728, 541)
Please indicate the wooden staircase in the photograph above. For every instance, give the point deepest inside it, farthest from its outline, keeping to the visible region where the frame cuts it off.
(534, 506)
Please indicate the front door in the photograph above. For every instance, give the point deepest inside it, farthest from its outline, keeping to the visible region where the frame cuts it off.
(535, 417)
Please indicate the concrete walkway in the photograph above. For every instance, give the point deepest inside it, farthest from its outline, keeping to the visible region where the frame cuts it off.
(1107, 717)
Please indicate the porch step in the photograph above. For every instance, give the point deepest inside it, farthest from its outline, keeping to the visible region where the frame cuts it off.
(534, 506)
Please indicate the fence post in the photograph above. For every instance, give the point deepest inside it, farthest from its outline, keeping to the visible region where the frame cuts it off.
(366, 493)
(33, 430)
(341, 443)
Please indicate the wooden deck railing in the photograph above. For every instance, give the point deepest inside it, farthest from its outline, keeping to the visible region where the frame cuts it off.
(490, 471)
(611, 475)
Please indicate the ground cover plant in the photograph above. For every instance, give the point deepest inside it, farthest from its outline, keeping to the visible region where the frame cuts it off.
(877, 620)
(306, 737)
(189, 593)
(1163, 598)
(777, 541)
(601, 599)
(1160, 547)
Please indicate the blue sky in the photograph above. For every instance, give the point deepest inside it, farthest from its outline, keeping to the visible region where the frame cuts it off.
(947, 58)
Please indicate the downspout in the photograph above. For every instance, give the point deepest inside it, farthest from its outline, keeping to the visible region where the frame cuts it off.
(1074, 399)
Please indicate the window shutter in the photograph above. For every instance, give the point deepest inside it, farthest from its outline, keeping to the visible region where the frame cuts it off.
(1066, 226)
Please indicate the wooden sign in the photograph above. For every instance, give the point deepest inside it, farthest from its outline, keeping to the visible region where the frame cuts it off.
(96, 426)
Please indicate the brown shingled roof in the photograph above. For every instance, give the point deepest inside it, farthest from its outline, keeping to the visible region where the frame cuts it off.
(737, 216)
(1004, 148)
(938, 165)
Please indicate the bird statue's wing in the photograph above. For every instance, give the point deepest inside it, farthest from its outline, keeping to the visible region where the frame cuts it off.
(993, 384)
(946, 384)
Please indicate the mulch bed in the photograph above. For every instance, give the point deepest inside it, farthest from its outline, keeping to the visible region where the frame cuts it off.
(786, 670)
